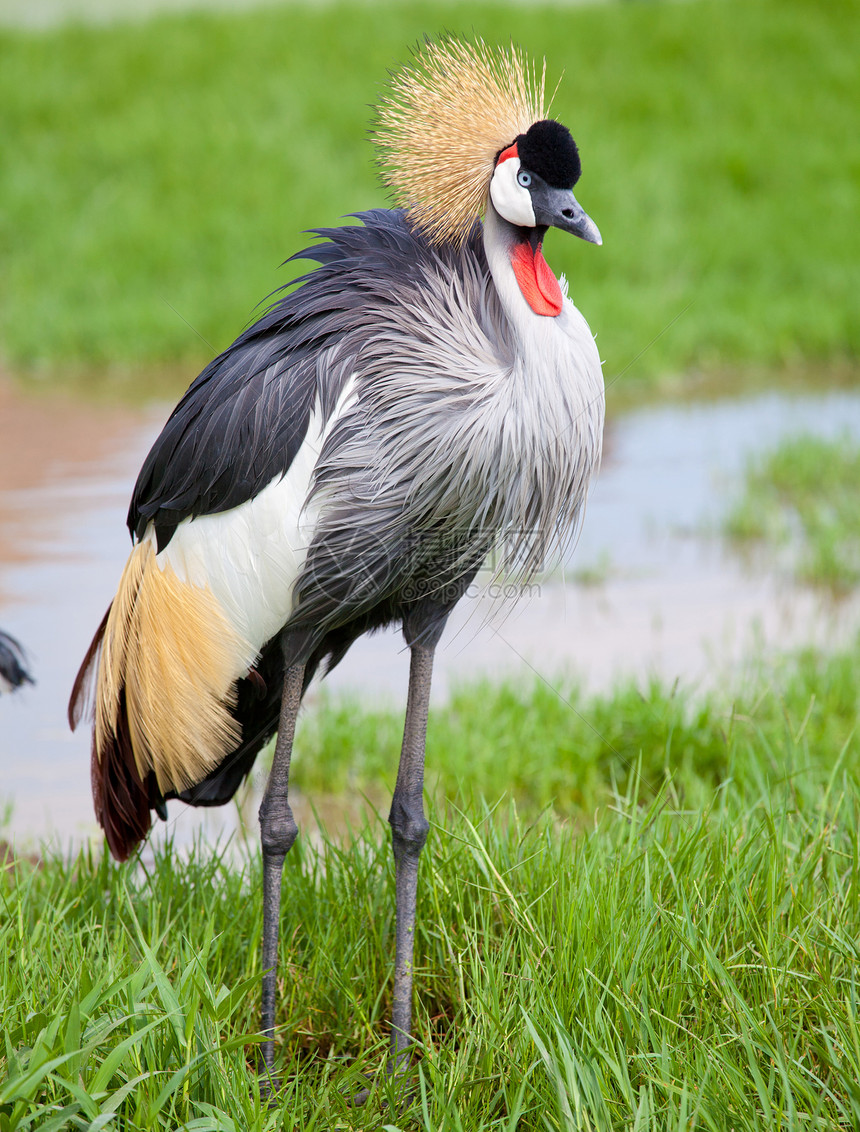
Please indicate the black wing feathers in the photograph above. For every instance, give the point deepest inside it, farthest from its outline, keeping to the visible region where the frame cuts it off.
(242, 421)
(236, 429)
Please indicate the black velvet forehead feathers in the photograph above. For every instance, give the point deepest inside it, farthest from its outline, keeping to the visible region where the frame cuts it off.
(548, 150)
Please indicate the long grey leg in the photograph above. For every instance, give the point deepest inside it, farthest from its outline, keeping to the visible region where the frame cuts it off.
(409, 828)
(277, 834)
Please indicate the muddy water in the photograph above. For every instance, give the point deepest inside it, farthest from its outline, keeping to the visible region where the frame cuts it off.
(669, 599)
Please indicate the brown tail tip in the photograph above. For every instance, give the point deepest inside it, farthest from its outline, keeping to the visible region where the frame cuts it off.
(120, 798)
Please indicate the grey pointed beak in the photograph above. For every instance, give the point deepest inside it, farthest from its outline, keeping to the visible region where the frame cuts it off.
(559, 208)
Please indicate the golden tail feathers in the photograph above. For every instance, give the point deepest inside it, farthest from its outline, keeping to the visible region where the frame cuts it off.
(164, 661)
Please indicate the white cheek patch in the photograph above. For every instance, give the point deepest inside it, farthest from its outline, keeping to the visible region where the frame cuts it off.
(509, 198)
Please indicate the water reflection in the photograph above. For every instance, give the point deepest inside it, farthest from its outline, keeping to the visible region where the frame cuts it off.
(671, 600)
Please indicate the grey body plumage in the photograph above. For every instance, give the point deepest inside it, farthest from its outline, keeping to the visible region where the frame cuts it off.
(466, 430)
(464, 433)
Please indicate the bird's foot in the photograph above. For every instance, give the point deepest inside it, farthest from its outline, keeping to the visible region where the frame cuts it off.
(360, 1098)
(270, 1085)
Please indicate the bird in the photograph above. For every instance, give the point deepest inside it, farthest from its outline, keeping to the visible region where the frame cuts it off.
(13, 674)
(426, 396)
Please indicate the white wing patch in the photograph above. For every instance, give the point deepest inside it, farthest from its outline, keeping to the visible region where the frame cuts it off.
(250, 556)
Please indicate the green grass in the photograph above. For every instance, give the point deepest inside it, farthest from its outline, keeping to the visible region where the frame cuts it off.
(681, 952)
(154, 175)
(553, 746)
(802, 497)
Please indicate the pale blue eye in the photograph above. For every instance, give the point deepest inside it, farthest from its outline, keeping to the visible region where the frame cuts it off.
(524, 178)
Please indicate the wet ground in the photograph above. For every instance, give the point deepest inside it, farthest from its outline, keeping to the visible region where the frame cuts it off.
(663, 594)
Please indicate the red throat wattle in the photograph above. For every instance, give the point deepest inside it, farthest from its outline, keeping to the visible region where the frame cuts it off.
(538, 284)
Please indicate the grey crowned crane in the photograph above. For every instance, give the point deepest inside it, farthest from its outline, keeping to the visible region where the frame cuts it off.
(13, 673)
(426, 394)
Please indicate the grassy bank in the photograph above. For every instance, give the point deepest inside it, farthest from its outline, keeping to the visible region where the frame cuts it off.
(679, 953)
(548, 745)
(801, 499)
(155, 175)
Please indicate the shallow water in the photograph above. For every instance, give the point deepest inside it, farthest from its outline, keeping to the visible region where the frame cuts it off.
(673, 601)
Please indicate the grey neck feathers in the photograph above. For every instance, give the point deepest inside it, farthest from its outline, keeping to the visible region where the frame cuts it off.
(557, 380)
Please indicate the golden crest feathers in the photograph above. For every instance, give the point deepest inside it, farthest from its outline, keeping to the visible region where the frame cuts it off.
(444, 120)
